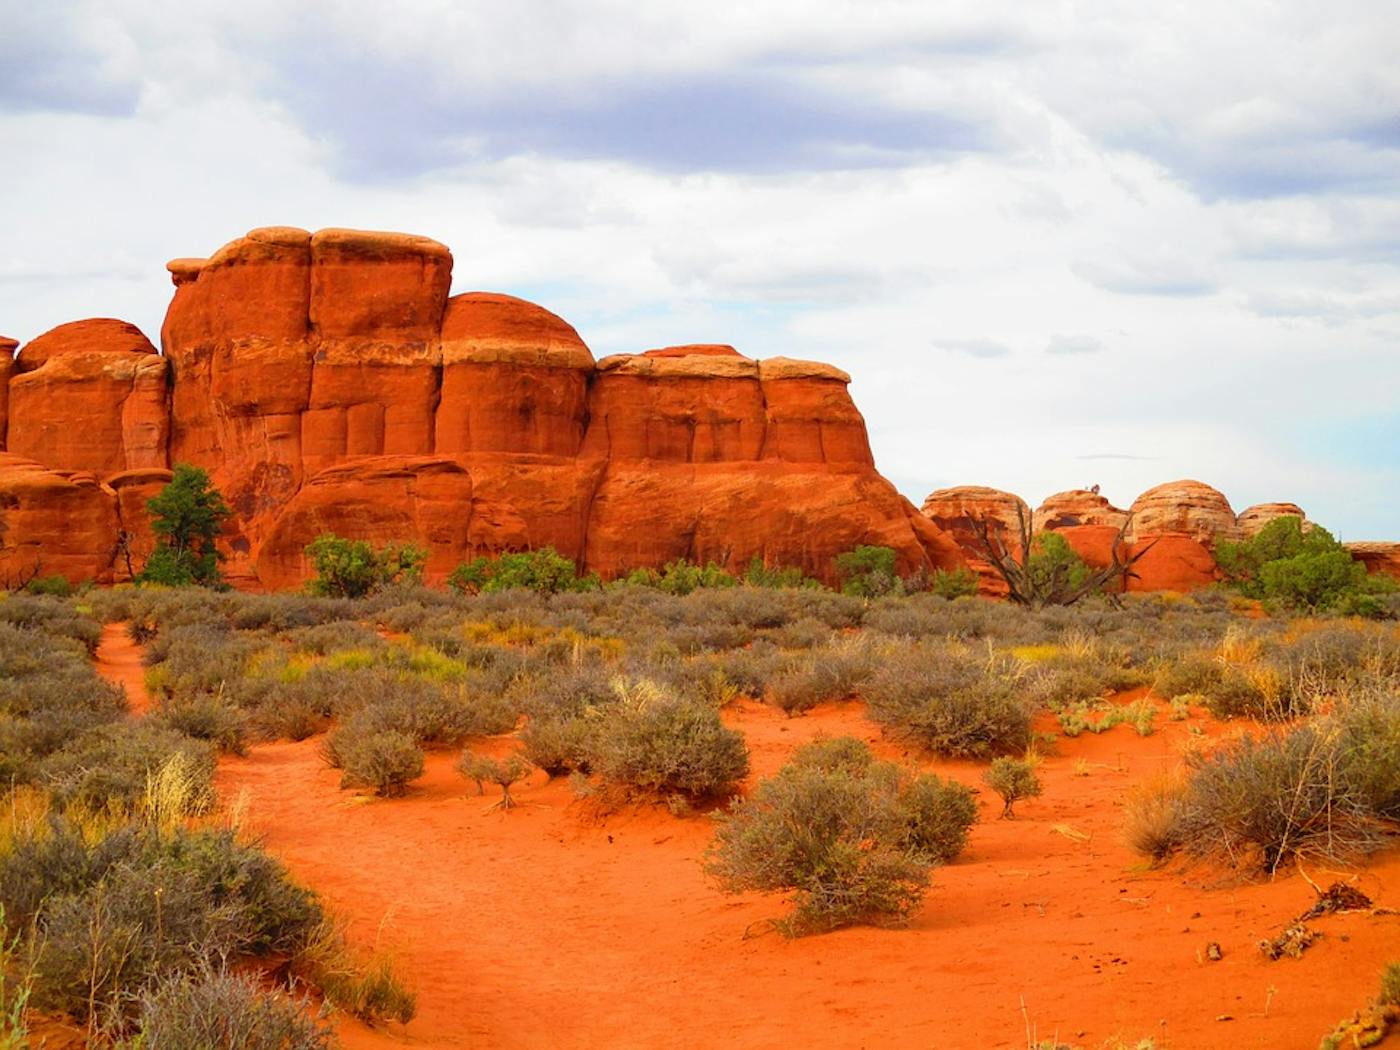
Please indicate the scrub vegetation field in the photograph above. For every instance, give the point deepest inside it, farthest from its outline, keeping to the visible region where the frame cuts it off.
(751, 813)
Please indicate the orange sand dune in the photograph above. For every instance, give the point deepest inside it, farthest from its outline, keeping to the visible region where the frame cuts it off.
(551, 927)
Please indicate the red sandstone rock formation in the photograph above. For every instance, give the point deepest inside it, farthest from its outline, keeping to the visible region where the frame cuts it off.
(7, 368)
(1185, 519)
(954, 510)
(1377, 557)
(1087, 521)
(1251, 520)
(53, 522)
(1187, 508)
(89, 396)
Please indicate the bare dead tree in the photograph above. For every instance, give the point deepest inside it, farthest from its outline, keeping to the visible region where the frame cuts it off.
(1037, 589)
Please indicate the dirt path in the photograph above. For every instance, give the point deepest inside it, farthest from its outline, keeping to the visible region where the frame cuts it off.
(548, 927)
(119, 661)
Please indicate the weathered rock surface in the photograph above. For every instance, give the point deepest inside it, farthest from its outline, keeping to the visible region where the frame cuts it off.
(1377, 557)
(1187, 508)
(7, 369)
(1089, 523)
(89, 396)
(329, 383)
(53, 522)
(954, 511)
(1252, 520)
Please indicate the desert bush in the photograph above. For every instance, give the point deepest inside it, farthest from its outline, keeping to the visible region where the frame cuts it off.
(1260, 802)
(1152, 825)
(206, 717)
(544, 571)
(383, 759)
(1013, 779)
(353, 568)
(852, 839)
(325, 638)
(867, 571)
(213, 1009)
(776, 577)
(110, 918)
(503, 772)
(1288, 567)
(656, 741)
(836, 672)
(372, 990)
(50, 617)
(1368, 741)
(951, 701)
(680, 577)
(111, 766)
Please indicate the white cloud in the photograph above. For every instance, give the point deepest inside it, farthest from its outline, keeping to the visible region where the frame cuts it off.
(914, 192)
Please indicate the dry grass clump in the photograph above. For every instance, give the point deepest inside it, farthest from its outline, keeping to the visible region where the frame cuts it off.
(952, 700)
(213, 1009)
(1321, 788)
(853, 840)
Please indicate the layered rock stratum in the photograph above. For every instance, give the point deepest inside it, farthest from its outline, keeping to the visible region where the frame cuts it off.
(330, 382)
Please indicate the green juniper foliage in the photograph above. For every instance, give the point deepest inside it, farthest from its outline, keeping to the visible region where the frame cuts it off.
(353, 568)
(186, 517)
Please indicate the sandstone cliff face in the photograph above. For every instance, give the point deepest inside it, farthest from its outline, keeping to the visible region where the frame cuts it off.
(329, 383)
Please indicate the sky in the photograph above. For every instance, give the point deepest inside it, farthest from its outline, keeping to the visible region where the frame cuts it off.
(1055, 244)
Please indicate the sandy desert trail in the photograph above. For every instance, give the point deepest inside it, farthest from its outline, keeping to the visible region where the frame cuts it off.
(550, 927)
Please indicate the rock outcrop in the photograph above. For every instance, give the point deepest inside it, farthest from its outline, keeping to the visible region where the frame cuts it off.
(1377, 557)
(329, 382)
(7, 369)
(1089, 523)
(1251, 520)
(53, 522)
(89, 396)
(954, 512)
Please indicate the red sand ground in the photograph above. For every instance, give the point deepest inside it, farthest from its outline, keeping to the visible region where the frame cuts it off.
(119, 661)
(549, 926)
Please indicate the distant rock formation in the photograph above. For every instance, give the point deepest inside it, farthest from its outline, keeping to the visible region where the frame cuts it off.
(1251, 520)
(954, 511)
(1377, 557)
(329, 383)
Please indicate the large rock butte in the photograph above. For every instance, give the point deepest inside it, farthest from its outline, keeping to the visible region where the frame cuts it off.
(329, 382)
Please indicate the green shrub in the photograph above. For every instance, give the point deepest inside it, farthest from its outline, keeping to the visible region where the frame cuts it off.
(544, 571)
(353, 568)
(55, 586)
(659, 742)
(852, 839)
(216, 1010)
(1287, 566)
(759, 574)
(867, 572)
(681, 577)
(951, 702)
(1013, 779)
(384, 759)
(186, 516)
(959, 583)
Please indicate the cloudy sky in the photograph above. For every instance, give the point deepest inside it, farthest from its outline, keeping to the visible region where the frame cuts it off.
(1055, 243)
